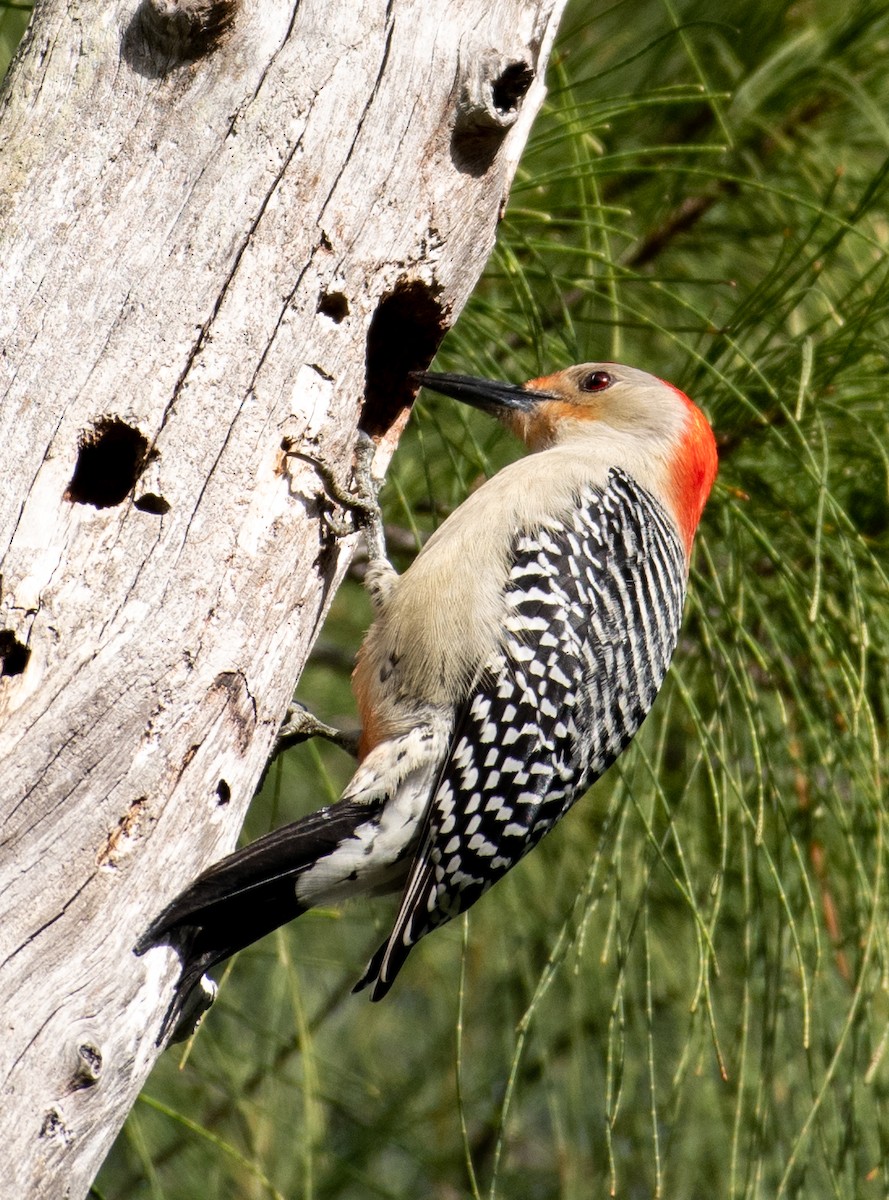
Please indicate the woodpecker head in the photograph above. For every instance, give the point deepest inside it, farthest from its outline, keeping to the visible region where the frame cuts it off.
(613, 409)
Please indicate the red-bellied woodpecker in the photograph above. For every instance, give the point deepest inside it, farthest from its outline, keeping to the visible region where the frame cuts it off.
(503, 672)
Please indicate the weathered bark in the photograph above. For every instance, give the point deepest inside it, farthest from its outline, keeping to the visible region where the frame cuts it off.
(221, 226)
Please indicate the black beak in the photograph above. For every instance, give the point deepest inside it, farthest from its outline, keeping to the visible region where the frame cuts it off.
(486, 394)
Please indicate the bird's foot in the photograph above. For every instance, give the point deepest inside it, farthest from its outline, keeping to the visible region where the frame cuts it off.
(360, 501)
(362, 506)
(299, 725)
(366, 498)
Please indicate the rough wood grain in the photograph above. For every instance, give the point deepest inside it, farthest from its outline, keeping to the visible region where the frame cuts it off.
(220, 226)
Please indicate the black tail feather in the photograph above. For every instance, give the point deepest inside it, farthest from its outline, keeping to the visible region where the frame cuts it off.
(189, 1003)
(387, 961)
(372, 973)
(245, 896)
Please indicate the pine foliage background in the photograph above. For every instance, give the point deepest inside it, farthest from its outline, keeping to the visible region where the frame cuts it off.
(683, 991)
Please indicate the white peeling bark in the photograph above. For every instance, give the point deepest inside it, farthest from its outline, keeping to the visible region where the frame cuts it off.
(221, 226)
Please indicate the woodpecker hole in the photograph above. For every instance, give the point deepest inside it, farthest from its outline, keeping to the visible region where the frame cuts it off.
(88, 1067)
(151, 503)
(184, 29)
(511, 86)
(334, 305)
(13, 654)
(110, 459)
(489, 105)
(223, 792)
(163, 35)
(404, 334)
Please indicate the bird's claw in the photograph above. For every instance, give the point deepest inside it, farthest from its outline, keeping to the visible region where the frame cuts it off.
(365, 498)
(299, 725)
(360, 501)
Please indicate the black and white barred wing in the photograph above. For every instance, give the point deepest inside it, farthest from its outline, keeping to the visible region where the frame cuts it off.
(593, 614)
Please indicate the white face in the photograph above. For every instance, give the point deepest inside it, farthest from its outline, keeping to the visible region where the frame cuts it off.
(600, 394)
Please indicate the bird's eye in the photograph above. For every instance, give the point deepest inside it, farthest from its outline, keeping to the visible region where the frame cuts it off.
(596, 381)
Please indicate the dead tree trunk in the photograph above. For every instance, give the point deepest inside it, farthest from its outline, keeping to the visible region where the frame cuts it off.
(222, 225)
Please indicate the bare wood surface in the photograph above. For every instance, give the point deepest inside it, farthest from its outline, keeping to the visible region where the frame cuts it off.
(221, 226)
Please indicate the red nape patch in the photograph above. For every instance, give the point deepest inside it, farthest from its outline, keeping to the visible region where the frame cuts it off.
(693, 470)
